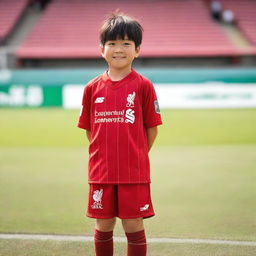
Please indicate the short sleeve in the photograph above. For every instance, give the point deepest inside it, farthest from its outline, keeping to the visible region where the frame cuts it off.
(85, 113)
(151, 110)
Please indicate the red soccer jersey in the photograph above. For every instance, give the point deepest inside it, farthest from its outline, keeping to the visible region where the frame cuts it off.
(118, 113)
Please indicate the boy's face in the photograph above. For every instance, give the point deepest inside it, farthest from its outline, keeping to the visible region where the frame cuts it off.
(119, 53)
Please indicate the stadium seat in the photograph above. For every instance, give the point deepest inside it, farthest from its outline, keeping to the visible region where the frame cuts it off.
(244, 15)
(10, 12)
(182, 28)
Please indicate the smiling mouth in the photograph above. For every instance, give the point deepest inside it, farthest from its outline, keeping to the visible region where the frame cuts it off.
(119, 57)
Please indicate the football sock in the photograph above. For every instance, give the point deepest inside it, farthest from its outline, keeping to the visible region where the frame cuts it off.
(103, 242)
(137, 244)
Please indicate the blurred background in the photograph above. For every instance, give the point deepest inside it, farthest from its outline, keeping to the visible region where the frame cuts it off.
(201, 57)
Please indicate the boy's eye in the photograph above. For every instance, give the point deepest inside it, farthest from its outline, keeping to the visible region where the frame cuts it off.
(127, 43)
(111, 43)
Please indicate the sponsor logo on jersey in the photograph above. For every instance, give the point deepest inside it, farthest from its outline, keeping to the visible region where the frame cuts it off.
(157, 108)
(130, 100)
(109, 116)
(144, 208)
(99, 100)
(97, 197)
(130, 117)
(116, 116)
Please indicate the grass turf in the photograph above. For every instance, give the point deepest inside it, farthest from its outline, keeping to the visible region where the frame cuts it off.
(203, 173)
(210, 195)
(57, 127)
(52, 248)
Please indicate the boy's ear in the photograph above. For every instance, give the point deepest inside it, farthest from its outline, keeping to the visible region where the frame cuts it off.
(102, 50)
(137, 51)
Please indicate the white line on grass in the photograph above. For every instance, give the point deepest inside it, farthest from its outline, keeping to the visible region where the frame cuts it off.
(123, 239)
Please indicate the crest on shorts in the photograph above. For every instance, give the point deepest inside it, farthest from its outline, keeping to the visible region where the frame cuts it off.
(97, 197)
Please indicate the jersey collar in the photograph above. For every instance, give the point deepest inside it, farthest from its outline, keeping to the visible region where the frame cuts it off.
(116, 84)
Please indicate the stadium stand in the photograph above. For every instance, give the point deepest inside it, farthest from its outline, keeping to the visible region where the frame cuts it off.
(245, 16)
(10, 12)
(69, 29)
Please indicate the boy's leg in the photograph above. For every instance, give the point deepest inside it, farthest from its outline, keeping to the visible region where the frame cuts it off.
(136, 238)
(103, 237)
(105, 225)
(133, 225)
(102, 205)
(134, 201)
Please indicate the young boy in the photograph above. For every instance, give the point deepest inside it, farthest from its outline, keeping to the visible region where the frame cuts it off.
(120, 114)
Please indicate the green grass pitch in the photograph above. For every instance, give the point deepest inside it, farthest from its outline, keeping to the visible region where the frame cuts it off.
(203, 180)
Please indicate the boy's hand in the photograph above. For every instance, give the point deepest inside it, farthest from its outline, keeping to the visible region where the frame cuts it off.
(88, 134)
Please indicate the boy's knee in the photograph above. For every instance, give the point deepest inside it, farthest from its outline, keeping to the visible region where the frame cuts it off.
(105, 225)
(132, 225)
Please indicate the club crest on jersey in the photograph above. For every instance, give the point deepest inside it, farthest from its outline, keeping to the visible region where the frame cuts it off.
(130, 100)
(97, 197)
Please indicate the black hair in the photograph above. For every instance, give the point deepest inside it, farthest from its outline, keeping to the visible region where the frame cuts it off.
(119, 25)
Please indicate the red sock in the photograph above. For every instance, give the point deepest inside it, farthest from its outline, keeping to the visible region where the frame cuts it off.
(137, 244)
(103, 242)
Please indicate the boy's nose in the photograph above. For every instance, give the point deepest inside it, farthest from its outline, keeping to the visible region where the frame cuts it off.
(118, 48)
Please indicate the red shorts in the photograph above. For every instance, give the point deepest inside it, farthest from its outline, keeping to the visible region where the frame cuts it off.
(126, 201)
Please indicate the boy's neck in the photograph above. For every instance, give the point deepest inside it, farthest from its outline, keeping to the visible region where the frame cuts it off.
(116, 74)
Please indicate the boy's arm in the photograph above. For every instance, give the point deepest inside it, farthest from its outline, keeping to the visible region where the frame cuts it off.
(151, 134)
(88, 134)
